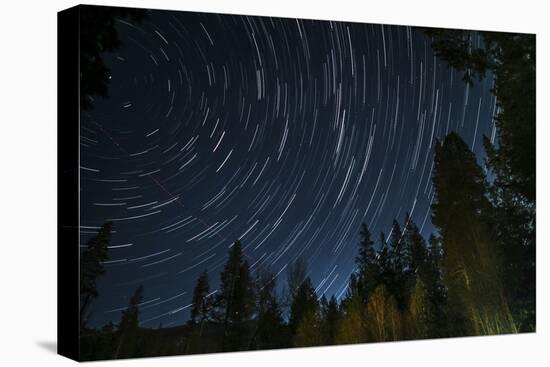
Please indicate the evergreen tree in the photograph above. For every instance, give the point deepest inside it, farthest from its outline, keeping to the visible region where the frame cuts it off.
(397, 248)
(471, 255)
(425, 284)
(201, 304)
(386, 274)
(511, 58)
(128, 329)
(331, 318)
(352, 328)
(455, 47)
(202, 313)
(436, 292)
(236, 300)
(353, 291)
(309, 330)
(368, 270)
(419, 312)
(397, 280)
(304, 303)
(99, 35)
(91, 267)
(270, 331)
(417, 256)
(515, 228)
(296, 275)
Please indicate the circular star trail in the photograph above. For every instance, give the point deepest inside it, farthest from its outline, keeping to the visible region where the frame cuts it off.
(286, 134)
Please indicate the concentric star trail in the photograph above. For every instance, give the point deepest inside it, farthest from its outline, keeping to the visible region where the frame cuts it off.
(284, 133)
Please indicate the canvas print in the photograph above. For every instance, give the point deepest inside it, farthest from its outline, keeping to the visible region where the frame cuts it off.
(250, 183)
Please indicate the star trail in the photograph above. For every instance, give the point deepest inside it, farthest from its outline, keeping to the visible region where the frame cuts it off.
(284, 133)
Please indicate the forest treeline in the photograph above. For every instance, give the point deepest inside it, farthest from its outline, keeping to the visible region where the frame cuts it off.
(474, 276)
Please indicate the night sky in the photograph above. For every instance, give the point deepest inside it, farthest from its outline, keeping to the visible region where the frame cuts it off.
(284, 133)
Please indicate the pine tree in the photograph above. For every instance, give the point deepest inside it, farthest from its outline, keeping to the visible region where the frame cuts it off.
(201, 304)
(515, 227)
(368, 270)
(353, 290)
(436, 292)
(352, 329)
(511, 160)
(270, 331)
(202, 313)
(472, 261)
(398, 278)
(128, 328)
(331, 318)
(305, 321)
(303, 304)
(511, 59)
(91, 267)
(296, 275)
(398, 251)
(419, 317)
(417, 256)
(384, 261)
(236, 300)
(425, 285)
(309, 330)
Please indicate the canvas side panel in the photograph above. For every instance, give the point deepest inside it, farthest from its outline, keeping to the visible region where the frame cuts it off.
(68, 124)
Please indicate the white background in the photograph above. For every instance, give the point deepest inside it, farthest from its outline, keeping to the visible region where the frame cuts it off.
(28, 182)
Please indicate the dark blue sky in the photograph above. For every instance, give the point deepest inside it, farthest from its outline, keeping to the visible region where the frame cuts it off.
(285, 133)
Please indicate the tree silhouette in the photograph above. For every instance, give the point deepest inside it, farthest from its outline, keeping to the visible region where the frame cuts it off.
(98, 35)
(332, 316)
(305, 320)
(511, 59)
(309, 329)
(417, 256)
(270, 329)
(419, 312)
(454, 46)
(472, 260)
(91, 267)
(202, 313)
(353, 326)
(128, 328)
(296, 275)
(201, 304)
(368, 270)
(452, 287)
(236, 299)
(398, 279)
(304, 303)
